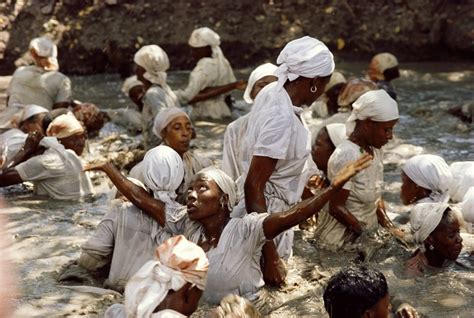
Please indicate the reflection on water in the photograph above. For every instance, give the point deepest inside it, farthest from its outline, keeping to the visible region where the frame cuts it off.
(48, 234)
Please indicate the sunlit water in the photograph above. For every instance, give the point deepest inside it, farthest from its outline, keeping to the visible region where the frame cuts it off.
(48, 234)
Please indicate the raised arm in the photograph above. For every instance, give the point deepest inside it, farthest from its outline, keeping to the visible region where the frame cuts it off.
(275, 224)
(137, 195)
(261, 168)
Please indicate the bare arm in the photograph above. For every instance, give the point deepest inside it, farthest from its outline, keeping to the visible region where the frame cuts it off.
(275, 224)
(337, 209)
(29, 149)
(382, 216)
(137, 195)
(9, 177)
(61, 105)
(210, 92)
(261, 168)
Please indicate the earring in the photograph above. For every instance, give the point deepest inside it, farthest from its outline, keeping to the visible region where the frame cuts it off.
(431, 247)
(313, 89)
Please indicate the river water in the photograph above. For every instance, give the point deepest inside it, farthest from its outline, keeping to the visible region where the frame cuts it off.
(48, 234)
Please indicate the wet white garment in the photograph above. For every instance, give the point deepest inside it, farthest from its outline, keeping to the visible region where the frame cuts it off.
(232, 154)
(209, 72)
(56, 173)
(365, 192)
(33, 85)
(13, 139)
(155, 100)
(463, 179)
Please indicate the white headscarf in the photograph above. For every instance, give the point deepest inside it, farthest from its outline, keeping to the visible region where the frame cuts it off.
(424, 219)
(130, 83)
(430, 172)
(166, 116)
(163, 173)
(206, 37)
(32, 110)
(380, 63)
(374, 105)
(337, 133)
(307, 57)
(336, 78)
(155, 62)
(467, 207)
(258, 73)
(463, 179)
(46, 48)
(225, 183)
(64, 126)
(178, 261)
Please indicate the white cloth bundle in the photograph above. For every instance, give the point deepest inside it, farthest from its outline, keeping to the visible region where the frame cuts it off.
(64, 126)
(258, 73)
(32, 110)
(424, 219)
(467, 207)
(337, 133)
(374, 105)
(225, 183)
(307, 57)
(430, 172)
(178, 262)
(155, 62)
(46, 48)
(166, 116)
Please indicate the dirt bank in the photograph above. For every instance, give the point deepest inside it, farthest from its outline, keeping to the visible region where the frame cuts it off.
(95, 37)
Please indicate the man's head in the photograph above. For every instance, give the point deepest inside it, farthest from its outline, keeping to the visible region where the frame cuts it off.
(69, 132)
(44, 53)
(35, 118)
(356, 292)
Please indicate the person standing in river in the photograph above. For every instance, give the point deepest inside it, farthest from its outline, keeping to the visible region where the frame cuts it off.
(383, 69)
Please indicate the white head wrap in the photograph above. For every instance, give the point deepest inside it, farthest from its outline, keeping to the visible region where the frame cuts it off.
(178, 261)
(336, 78)
(424, 219)
(463, 179)
(130, 83)
(307, 57)
(32, 110)
(430, 172)
(380, 63)
(206, 37)
(46, 48)
(467, 206)
(166, 116)
(258, 73)
(374, 105)
(155, 62)
(337, 133)
(64, 126)
(225, 183)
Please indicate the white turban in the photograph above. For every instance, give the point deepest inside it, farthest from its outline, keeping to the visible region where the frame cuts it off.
(467, 207)
(166, 116)
(130, 83)
(163, 173)
(336, 78)
(225, 183)
(204, 37)
(46, 48)
(430, 172)
(424, 219)
(32, 110)
(64, 126)
(380, 63)
(307, 57)
(337, 133)
(374, 105)
(258, 73)
(178, 261)
(463, 179)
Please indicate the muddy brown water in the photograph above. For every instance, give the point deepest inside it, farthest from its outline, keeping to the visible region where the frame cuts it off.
(47, 234)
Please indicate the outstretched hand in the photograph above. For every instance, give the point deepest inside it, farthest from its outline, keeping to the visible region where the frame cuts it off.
(33, 140)
(351, 169)
(241, 85)
(97, 165)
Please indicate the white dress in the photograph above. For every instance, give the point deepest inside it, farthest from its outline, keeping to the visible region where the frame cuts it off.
(12, 140)
(232, 154)
(463, 179)
(56, 173)
(209, 72)
(277, 132)
(365, 192)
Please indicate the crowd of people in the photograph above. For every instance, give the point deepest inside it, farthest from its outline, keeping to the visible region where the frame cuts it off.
(180, 228)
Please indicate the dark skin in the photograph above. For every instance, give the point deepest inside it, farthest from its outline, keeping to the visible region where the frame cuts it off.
(332, 95)
(322, 150)
(185, 300)
(261, 168)
(177, 134)
(261, 83)
(367, 134)
(411, 192)
(136, 94)
(76, 142)
(34, 123)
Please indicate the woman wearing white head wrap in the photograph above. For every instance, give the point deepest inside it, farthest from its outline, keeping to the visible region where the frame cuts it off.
(467, 209)
(425, 177)
(435, 229)
(359, 206)
(236, 130)
(151, 66)
(211, 71)
(178, 263)
(383, 68)
(40, 84)
(324, 144)
(463, 179)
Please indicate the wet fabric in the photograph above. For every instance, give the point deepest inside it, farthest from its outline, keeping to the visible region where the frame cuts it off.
(64, 126)
(12, 141)
(467, 209)
(56, 173)
(34, 85)
(432, 173)
(260, 72)
(463, 179)
(365, 192)
(231, 153)
(337, 133)
(307, 57)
